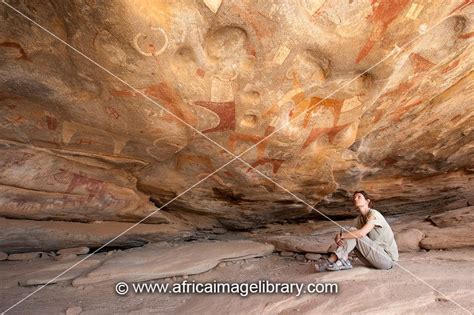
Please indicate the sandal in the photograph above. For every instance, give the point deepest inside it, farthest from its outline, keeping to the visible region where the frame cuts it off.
(340, 264)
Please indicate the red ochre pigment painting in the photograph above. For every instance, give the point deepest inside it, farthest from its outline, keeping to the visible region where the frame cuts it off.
(183, 160)
(205, 162)
(167, 98)
(466, 35)
(235, 137)
(21, 52)
(420, 65)
(6, 96)
(397, 115)
(450, 66)
(92, 186)
(85, 141)
(308, 106)
(261, 147)
(51, 122)
(384, 12)
(112, 112)
(224, 110)
(275, 162)
(261, 24)
(316, 133)
(378, 114)
(462, 6)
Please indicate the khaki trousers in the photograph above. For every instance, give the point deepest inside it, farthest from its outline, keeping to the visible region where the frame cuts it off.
(369, 252)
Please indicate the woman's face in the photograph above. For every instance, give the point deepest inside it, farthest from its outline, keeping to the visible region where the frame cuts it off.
(359, 200)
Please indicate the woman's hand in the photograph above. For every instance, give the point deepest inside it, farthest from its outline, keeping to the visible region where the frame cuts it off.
(338, 240)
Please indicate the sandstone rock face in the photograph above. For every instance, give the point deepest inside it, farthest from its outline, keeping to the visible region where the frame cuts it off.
(41, 185)
(450, 237)
(74, 310)
(160, 260)
(29, 235)
(458, 217)
(355, 95)
(50, 273)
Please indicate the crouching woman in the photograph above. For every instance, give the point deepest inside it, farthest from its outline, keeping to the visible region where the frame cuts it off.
(371, 238)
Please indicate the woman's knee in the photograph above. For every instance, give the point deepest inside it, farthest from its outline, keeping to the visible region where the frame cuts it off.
(381, 262)
(364, 243)
(373, 254)
(385, 266)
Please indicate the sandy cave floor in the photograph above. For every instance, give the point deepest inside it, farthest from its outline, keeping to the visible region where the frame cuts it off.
(361, 289)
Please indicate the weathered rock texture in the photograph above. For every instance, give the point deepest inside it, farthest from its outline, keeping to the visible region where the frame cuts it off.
(451, 237)
(161, 260)
(458, 217)
(409, 240)
(30, 235)
(375, 95)
(48, 274)
(305, 244)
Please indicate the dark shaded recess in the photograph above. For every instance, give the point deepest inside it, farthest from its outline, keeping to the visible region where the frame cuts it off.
(228, 195)
(118, 247)
(284, 202)
(158, 196)
(28, 88)
(315, 216)
(284, 212)
(242, 225)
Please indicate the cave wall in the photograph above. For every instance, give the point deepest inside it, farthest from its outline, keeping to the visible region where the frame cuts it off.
(153, 96)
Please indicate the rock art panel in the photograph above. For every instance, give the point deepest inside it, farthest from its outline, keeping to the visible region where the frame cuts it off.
(383, 14)
(224, 110)
(87, 147)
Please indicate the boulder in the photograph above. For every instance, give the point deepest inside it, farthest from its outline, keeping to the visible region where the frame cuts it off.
(50, 273)
(302, 243)
(409, 240)
(65, 257)
(3, 256)
(312, 256)
(27, 256)
(450, 237)
(82, 250)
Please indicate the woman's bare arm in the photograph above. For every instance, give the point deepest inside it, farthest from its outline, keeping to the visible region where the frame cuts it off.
(360, 232)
